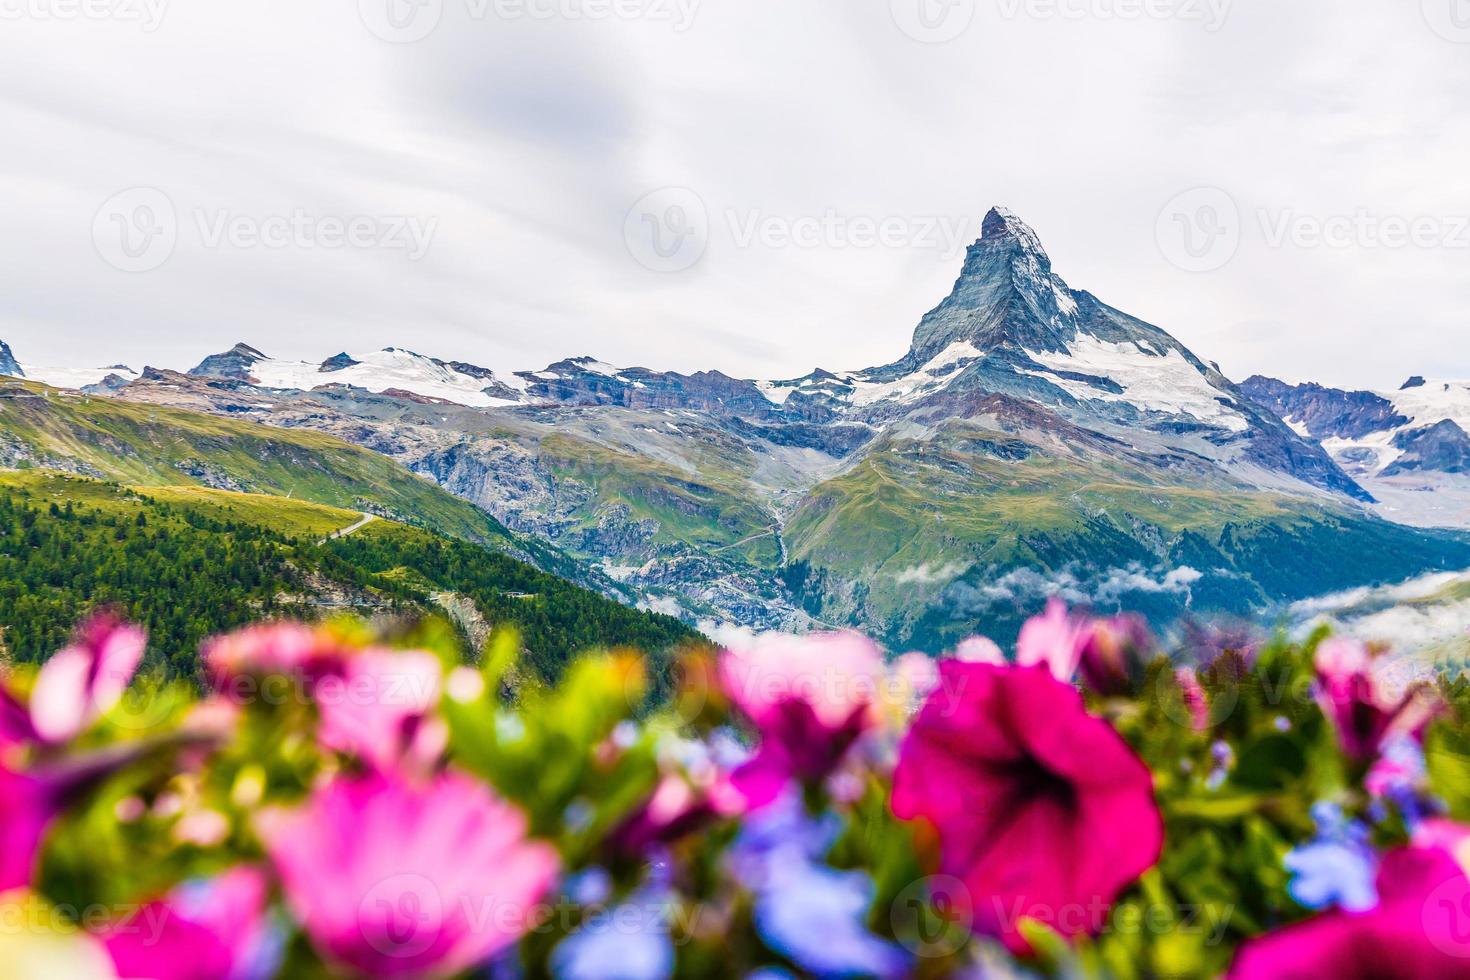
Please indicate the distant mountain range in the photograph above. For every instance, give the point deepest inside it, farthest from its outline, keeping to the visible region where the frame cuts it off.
(1032, 441)
(1409, 448)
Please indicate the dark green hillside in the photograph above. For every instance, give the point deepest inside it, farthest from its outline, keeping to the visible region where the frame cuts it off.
(189, 562)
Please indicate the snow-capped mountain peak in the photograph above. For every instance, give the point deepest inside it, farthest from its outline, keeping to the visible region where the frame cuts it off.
(1006, 294)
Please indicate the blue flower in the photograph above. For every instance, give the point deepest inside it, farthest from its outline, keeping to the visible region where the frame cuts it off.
(814, 915)
(628, 942)
(1338, 868)
(778, 835)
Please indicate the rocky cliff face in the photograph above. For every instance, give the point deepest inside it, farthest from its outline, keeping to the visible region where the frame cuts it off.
(8, 365)
(1325, 413)
(1442, 447)
(234, 364)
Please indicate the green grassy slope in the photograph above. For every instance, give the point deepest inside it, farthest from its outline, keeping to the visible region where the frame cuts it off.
(919, 537)
(189, 562)
(714, 510)
(148, 445)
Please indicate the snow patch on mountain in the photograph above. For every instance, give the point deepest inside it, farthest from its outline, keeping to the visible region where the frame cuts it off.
(1434, 401)
(1151, 381)
(937, 372)
(391, 369)
(75, 378)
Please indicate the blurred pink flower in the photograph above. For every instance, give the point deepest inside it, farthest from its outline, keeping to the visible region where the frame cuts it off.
(1417, 930)
(201, 931)
(273, 648)
(1042, 810)
(811, 697)
(1055, 638)
(678, 808)
(1196, 702)
(1365, 709)
(1113, 654)
(27, 805)
(86, 679)
(31, 798)
(394, 878)
(835, 675)
(377, 708)
(15, 720)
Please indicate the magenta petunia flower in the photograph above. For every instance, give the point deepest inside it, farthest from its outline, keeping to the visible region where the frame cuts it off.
(1113, 653)
(1056, 639)
(1042, 810)
(377, 708)
(201, 931)
(1196, 702)
(16, 727)
(835, 675)
(1357, 694)
(27, 805)
(394, 878)
(86, 679)
(1416, 932)
(811, 697)
(287, 648)
(30, 798)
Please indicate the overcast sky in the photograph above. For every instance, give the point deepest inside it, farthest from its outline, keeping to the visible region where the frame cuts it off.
(306, 176)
